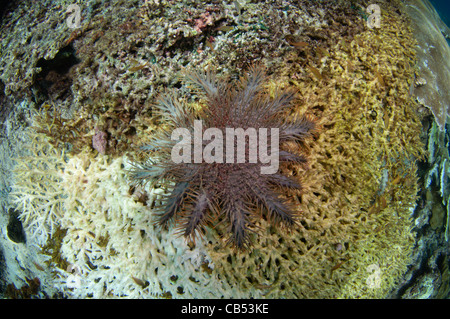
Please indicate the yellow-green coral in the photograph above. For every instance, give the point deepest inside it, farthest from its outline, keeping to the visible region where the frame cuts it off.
(362, 184)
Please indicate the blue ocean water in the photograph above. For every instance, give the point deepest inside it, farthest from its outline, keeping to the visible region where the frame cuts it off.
(443, 8)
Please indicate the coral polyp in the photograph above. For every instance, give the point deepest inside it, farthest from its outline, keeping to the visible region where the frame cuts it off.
(234, 180)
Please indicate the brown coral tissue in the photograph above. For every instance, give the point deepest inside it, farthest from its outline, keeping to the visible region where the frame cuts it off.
(230, 186)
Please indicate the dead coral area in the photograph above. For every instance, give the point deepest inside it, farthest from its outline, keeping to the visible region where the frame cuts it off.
(125, 53)
(354, 237)
(127, 59)
(29, 33)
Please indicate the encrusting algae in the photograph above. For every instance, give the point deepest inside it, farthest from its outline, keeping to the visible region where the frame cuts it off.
(353, 238)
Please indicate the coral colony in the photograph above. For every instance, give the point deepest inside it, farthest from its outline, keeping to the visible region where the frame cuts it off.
(226, 161)
(213, 182)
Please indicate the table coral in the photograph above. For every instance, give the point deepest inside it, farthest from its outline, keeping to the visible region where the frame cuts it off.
(354, 235)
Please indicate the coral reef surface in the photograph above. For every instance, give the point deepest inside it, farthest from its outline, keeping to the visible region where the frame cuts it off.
(79, 104)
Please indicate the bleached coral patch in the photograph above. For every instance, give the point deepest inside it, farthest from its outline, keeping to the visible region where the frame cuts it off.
(110, 245)
(36, 192)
